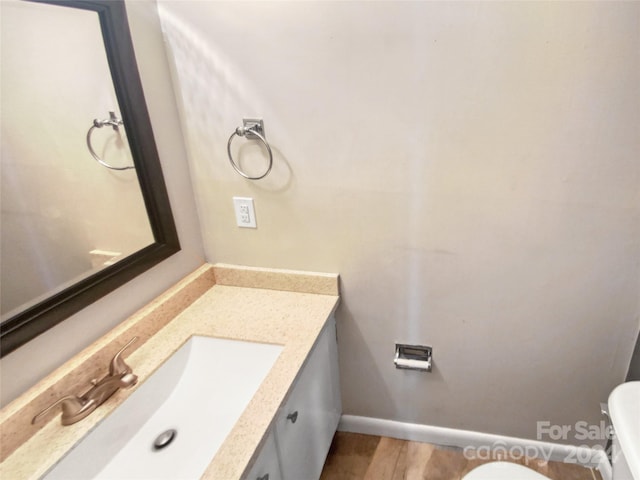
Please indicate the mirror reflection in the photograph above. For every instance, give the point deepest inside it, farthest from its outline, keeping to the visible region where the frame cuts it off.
(64, 216)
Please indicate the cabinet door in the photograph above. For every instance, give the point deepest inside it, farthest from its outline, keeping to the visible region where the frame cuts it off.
(309, 418)
(267, 466)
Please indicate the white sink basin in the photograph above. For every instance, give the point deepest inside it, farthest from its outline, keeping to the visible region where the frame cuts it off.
(200, 392)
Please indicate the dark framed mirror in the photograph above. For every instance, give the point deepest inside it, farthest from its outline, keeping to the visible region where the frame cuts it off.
(35, 317)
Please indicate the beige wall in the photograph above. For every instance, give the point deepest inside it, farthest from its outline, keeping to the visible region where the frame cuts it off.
(26, 365)
(470, 169)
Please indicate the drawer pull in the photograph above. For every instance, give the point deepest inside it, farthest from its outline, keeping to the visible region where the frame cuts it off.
(263, 477)
(293, 416)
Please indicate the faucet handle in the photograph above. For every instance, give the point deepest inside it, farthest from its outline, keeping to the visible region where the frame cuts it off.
(73, 409)
(118, 365)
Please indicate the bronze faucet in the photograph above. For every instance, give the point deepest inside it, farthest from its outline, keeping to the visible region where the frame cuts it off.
(76, 408)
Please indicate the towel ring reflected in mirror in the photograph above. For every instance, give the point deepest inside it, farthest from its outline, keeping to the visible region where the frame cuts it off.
(114, 122)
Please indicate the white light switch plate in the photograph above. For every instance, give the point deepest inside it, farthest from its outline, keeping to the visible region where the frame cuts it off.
(245, 213)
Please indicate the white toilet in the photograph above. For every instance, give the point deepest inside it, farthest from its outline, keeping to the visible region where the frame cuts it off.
(503, 471)
(624, 409)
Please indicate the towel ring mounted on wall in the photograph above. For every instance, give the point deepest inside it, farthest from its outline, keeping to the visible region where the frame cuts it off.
(114, 122)
(252, 129)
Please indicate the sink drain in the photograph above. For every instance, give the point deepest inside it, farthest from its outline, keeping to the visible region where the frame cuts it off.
(164, 439)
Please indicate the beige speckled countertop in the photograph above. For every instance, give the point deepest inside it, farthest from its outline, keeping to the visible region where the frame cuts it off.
(289, 308)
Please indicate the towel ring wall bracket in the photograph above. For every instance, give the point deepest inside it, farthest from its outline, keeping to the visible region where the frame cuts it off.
(251, 125)
(252, 129)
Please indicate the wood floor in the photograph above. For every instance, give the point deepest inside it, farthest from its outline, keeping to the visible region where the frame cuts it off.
(355, 456)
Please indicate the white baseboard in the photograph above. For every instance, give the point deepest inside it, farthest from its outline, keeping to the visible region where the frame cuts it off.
(476, 443)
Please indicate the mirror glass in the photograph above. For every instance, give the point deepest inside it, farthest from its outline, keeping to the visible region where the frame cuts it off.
(82, 195)
(64, 215)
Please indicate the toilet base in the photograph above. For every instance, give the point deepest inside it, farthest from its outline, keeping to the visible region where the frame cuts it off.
(503, 471)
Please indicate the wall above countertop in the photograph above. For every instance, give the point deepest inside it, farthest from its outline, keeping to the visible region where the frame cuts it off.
(471, 170)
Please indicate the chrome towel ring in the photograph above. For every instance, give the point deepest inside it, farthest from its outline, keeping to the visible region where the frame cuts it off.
(114, 122)
(252, 129)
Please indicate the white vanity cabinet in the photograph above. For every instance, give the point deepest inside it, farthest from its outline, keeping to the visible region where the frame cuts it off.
(308, 418)
(267, 465)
